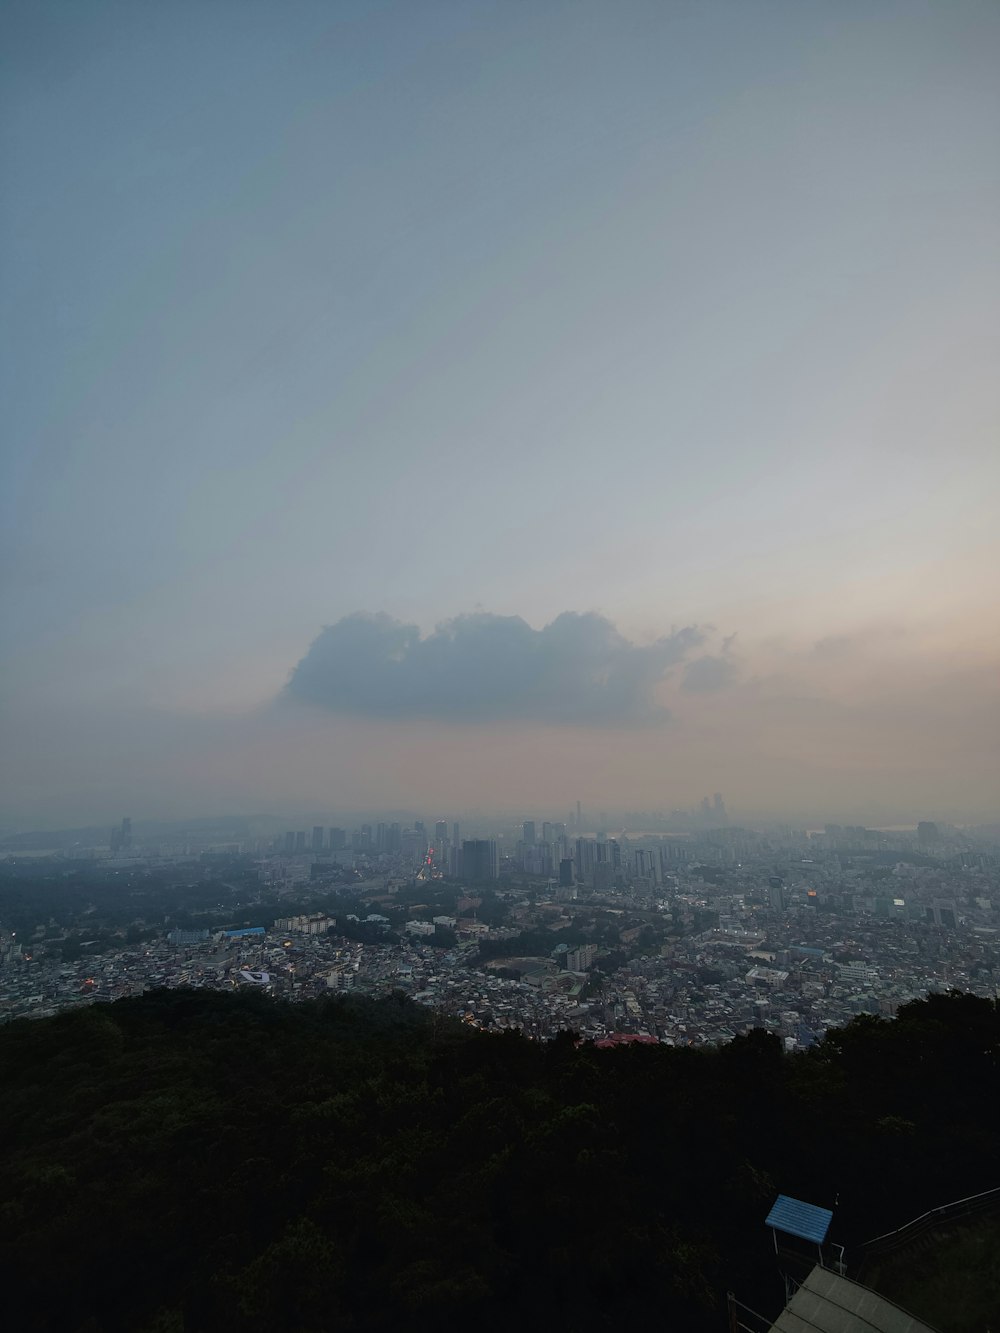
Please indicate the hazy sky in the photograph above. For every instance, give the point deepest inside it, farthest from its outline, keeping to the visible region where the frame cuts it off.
(683, 317)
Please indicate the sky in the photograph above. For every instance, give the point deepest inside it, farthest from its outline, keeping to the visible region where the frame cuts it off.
(499, 404)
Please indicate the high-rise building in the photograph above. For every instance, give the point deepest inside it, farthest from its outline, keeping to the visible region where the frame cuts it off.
(121, 838)
(290, 843)
(927, 832)
(587, 851)
(440, 832)
(455, 834)
(338, 839)
(528, 832)
(480, 860)
(604, 876)
(413, 843)
(300, 841)
(317, 840)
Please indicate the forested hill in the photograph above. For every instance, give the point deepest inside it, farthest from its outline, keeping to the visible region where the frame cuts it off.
(194, 1161)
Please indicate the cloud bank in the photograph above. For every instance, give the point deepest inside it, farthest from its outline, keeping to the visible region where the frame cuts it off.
(578, 670)
(707, 674)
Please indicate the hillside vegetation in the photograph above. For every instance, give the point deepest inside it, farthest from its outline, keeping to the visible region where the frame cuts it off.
(193, 1161)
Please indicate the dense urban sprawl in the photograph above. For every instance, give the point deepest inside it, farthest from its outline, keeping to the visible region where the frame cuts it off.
(683, 938)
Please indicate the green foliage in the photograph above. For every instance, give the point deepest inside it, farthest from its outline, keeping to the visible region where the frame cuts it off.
(969, 1252)
(192, 1161)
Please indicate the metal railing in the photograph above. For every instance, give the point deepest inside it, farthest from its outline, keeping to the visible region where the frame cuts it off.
(912, 1231)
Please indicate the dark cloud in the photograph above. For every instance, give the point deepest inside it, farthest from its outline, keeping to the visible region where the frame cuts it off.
(578, 670)
(706, 674)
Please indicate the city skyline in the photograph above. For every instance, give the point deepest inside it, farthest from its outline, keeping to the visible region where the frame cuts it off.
(418, 406)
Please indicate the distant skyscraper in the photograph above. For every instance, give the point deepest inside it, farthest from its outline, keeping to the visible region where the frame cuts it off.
(300, 841)
(479, 859)
(528, 832)
(338, 839)
(121, 838)
(927, 832)
(719, 808)
(455, 834)
(587, 852)
(440, 832)
(317, 842)
(289, 843)
(579, 816)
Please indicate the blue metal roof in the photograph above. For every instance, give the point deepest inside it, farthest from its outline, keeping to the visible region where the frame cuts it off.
(796, 1218)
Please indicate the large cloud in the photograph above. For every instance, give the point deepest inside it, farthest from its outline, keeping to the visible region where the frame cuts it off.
(577, 670)
(707, 674)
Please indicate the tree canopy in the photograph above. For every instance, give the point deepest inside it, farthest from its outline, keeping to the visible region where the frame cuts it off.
(197, 1161)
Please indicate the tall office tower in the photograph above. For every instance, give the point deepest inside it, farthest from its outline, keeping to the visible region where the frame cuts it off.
(579, 816)
(587, 853)
(420, 827)
(317, 842)
(440, 832)
(719, 808)
(366, 837)
(706, 810)
(121, 838)
(380, 838)
(394, 839)
(413, 844)
(565, 873)
(338, 839)
(480, 860)
(604, 876)
(547, 831)
(927, 832)
(300, 841)
(455, 837)
(289, 843)
(528, 832)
